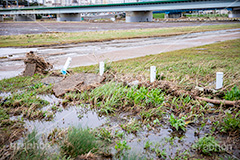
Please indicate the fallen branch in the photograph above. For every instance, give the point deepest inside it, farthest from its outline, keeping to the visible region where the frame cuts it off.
(214, 101)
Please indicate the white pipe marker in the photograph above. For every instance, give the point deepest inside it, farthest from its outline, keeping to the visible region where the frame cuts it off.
(66, 65)
(152, 73)
(101, 68)
(219, 80)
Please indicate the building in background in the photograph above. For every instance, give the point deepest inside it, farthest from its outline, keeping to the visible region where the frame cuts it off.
(82, 2)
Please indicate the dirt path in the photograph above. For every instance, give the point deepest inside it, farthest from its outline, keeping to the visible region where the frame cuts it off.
(91, 53)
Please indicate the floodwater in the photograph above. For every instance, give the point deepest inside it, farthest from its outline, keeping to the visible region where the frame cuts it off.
(161, 137)
(92, 53)
(65, 117)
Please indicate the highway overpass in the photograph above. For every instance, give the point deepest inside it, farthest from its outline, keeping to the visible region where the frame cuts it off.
(135, 12)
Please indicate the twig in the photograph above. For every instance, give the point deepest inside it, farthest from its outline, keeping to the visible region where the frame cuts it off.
(225, 102)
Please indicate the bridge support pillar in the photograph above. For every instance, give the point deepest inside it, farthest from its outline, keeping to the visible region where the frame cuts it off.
(173, 15)
(1, 18)
(27, 17)
(234, 14)
(139, 16)
(69, 17)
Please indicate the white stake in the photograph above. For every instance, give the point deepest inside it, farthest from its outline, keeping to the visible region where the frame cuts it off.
(101, 68)
(66, 65)
(152, 73)
(219, 80)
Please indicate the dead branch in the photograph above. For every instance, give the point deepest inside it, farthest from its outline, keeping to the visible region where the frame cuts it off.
(214, 101)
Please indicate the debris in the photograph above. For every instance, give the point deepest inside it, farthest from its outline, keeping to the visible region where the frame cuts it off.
(206, 90)
(210, 105)
(51, 80)
(66, 65)
(199, 88)
(35, 64)
(133, 83)
(88, 156)
(30, 69)
(79, 82)
(214, 101)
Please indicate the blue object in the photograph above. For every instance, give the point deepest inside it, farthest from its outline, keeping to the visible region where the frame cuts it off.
(64, 72)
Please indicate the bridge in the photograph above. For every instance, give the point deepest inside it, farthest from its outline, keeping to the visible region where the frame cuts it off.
(135, 12)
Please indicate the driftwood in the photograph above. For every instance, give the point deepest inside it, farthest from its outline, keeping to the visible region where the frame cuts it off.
(214, 101)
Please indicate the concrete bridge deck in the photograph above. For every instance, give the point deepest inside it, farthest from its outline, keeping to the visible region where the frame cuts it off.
(135, 12)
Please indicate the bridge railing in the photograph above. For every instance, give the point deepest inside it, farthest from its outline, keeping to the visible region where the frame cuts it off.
(84, 3)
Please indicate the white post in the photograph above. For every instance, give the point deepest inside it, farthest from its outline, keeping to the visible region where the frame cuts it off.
(65, 67)
(219, 80)
(101, 68)
(152, 73)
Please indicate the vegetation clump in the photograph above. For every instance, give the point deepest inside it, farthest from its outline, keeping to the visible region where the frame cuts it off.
(32, 149)
(122, 146)
(79, 141)
(231, 123)
(131, 127)
(178, 124)
(112, 96)
(233, 94)
(28, 99)
(207, 145)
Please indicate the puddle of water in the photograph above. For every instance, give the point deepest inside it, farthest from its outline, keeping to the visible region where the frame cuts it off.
(166, 139)
(69, 117)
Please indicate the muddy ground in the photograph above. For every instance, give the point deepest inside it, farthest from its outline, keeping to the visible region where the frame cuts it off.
(149, 137)
(41, 27)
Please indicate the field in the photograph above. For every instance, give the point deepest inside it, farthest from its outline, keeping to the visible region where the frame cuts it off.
(57, 38)
(142, 120)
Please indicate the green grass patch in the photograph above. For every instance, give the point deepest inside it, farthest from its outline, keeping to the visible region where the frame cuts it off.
(20, 82)
(48, 39)
(31, 149)
(158, 15)
(230, 123)
(233, 94)
(79, 141)
(112, 96)
(27, 99)
(207, 145)
(177, 123)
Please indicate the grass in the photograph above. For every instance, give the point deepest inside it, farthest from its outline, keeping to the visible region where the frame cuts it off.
(79, 141)
(112, 96)
(32, 149)
(27, 99)
(206, 15)
(20, 82)
(207, 145)
(187, 67)
(158, 15)
(131, 127)
(178, 124)
(231, 123)
(233, 94)
(122, 146)
(48, 39)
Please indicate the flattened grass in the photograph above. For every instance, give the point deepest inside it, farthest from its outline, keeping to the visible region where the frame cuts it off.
(48, 39)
